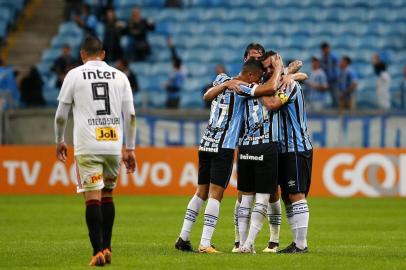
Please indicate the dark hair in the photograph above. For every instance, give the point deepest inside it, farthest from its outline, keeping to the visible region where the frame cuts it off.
(252, 65)
(254, 46)
(123, 61)
(347, 59)
(92, 45)
(324, 45)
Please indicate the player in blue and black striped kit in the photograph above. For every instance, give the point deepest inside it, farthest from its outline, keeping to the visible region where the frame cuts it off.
(216, 150)
(295, 163)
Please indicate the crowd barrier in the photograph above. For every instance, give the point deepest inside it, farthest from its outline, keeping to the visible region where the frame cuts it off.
(337, 172)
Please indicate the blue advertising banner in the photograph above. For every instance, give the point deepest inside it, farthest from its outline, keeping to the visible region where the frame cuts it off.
(325, 131)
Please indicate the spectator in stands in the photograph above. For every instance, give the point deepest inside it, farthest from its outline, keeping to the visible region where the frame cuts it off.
(112, 34)
(122, 65)
(382, 83)
(317, 87)
(347, 84)
(329, 63)
(176, 80)
(63, 64)
(86, 20)
(218, 70)
(102, 7)
(71, 7)
(137, 29)
(9, 94)
(31, 89)
(403, 90)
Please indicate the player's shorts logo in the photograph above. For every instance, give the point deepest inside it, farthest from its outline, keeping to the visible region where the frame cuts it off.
(95, 178)
(291, 183)
(106, 134)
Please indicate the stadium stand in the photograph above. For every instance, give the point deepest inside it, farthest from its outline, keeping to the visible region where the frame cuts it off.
(208, 32)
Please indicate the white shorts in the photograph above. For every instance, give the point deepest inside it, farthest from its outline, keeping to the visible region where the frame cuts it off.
(95, 172)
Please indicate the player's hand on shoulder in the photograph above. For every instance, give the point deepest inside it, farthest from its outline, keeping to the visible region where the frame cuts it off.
(277, 63)
(287, 80)
(129, 161)
(235, 85)
(61, 151)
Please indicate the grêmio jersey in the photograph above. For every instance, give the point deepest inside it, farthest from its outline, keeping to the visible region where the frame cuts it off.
(223, 128)
(260, 124)
(96, 92)
(293, 134)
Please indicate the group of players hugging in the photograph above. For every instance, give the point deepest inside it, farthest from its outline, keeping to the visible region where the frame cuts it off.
(261, 113)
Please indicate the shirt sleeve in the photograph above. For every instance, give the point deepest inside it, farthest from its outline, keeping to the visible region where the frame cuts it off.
(128, 93)
(221, 78)
(353, 76)
(248, 91)
(291, 91)
(67, 89)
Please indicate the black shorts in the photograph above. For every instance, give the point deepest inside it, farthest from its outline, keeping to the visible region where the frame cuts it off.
(295, 172)
(215, 168)
(258, 168)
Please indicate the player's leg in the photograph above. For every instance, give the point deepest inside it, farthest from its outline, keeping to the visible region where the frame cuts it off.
(245, 186)
(195, 203)
(211, 215)
(274, 218)
(298, 188)
(220, 173)
(89, 171)
(192, 211)
(236, 229)
(111, 169)
(265, 177)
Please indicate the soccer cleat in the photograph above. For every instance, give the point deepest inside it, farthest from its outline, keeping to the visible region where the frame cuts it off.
(98, 260)
(236, 248)
(208, 250)
(183, 245)
(271, 248)
(247, 249)
(292, 248)
(107, 255)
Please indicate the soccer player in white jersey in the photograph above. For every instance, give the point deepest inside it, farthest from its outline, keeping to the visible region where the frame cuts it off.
(102, 103)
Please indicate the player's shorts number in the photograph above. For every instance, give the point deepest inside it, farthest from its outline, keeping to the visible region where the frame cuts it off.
(101, 92)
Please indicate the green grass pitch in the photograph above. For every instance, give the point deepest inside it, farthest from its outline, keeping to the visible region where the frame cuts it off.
(49, 232)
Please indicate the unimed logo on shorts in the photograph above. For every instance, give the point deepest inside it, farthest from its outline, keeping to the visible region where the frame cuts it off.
(372, 174)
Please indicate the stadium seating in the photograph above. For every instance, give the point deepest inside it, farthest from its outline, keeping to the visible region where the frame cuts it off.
(208, 32)
(9, 11)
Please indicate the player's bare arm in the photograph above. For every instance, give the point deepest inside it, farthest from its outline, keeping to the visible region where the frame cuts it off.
(61, 119)
(214, 91)
(130, 133)
(276, 101)
(295, 66)
(290, 78)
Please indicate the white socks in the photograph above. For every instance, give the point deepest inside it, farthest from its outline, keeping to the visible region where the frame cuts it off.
(210, 221)
(257, 217)
(236, 232)
(244, 215)
(192, 212)
(300, 222)
(274, 216)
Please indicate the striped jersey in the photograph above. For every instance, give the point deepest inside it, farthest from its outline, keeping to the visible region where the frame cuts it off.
(223, 128)
(293, 135)
(260, 124)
